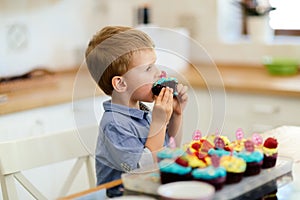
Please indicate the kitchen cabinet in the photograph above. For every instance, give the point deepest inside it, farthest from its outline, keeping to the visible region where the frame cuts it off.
(51, 119)
(251, 112)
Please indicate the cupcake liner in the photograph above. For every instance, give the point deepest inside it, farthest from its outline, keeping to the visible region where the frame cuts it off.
(166, 177)
(217, 182)
(253, 168)
(269, 161)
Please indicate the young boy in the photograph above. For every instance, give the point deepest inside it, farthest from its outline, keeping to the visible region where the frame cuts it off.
(122, 62)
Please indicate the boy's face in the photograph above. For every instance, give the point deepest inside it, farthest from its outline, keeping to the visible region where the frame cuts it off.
(141, 75)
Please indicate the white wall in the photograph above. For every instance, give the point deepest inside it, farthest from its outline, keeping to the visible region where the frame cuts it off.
(56, 35)
(220, 38)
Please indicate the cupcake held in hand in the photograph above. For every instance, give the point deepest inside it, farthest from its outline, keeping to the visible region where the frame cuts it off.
(165, 81)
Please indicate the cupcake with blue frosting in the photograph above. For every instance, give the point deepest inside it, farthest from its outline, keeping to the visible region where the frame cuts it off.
(252, 157)
(213, 174)
(170, 151)
(174, 170)
(165, 81)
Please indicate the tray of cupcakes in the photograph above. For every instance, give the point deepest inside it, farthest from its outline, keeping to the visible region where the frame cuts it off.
(239, 169)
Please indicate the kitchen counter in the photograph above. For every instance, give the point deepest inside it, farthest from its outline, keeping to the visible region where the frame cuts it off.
(56, 89)
(249, 79)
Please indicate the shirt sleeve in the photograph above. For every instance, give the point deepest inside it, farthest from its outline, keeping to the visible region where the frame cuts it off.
(122, 147)
(146, 158)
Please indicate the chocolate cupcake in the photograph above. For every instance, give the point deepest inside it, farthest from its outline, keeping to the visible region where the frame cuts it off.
(270, 152)
(252, 157)
(235, 168)
(213, 174)
(174, 170)
(165, 82)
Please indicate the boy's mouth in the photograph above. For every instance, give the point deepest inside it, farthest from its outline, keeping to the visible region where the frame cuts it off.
(163, 74)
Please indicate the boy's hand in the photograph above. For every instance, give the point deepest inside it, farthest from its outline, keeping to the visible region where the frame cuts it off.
(161, 114)
(163, 106)
(180, 101)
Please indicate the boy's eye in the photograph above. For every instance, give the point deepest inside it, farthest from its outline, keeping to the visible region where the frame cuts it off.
(149, 67)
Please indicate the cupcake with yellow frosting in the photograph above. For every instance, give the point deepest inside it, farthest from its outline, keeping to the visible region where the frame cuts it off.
(219, 148)
(270, 151)
(235, 168)
(198, 160)
(208, 142)
(238, 144)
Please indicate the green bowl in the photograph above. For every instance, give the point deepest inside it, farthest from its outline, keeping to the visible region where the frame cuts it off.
(281, 66)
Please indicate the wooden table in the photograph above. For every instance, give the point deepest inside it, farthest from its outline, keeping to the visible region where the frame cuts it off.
(93, 190)
(289, 142)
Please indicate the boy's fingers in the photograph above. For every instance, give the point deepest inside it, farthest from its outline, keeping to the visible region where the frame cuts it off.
(165, 96)
(179, 87)
(160, 95)
(182, 89)
(184, 97)
(169, 97)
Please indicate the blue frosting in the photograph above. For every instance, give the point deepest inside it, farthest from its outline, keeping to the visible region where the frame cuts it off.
(170, 166)
(162, 80)
(209, 173)
(220, 152)
(169, 153)
(254, 156)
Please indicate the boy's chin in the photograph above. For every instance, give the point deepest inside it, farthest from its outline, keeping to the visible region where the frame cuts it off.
(149, 99)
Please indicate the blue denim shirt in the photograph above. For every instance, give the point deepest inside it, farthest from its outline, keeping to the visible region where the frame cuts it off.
(121, 141)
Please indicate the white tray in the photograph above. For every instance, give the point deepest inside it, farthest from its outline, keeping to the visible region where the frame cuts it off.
(147, 181)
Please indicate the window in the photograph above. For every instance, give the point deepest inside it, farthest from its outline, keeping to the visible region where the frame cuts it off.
(285, 20)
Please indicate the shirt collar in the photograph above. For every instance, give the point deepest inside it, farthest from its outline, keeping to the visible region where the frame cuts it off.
(133, 112)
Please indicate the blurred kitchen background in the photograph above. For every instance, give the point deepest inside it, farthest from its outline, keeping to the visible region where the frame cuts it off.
(54, 33)
(51, 36)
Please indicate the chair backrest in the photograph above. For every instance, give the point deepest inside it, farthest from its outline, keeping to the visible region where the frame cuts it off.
(24, 154)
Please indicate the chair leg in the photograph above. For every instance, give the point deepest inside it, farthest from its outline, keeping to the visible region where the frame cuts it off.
(8, 187)
(72, 175)
(90, 167)
(29, 187)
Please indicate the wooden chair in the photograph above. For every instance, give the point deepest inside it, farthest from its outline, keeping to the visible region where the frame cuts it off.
(29, 153)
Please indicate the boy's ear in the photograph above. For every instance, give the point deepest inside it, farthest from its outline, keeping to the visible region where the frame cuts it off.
(119, 83)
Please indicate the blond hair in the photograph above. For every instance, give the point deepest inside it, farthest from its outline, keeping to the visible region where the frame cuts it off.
(110, 51)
